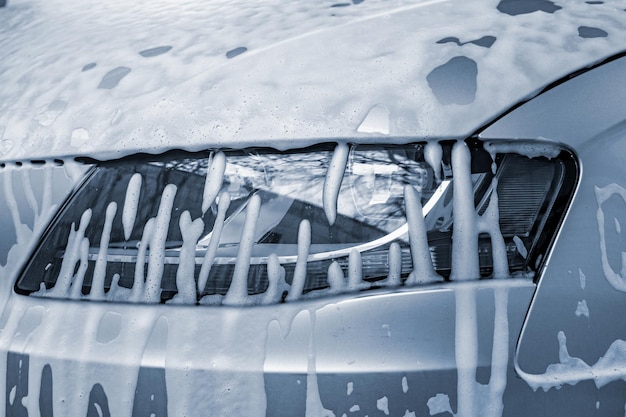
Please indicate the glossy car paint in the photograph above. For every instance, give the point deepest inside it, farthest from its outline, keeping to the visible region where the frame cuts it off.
(378, 353)
(578, 296)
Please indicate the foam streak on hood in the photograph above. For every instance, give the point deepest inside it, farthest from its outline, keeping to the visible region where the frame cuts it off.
(150, 75)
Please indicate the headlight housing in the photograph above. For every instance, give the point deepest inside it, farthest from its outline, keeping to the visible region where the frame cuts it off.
(256, 226)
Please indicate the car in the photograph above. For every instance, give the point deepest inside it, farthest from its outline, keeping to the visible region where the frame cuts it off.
(359, 208)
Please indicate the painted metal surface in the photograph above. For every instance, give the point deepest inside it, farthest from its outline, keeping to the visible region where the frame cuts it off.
(571, 349)
(447, 348)
(241, 360)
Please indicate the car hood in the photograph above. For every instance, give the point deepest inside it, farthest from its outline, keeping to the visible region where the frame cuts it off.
(106, 79)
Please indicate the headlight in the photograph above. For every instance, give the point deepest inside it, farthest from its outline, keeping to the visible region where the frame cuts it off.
(258, 225)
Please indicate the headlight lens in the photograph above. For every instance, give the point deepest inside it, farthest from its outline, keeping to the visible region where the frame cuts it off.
(253, 225)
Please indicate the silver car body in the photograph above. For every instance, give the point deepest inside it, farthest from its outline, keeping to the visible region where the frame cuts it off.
(111, 80)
